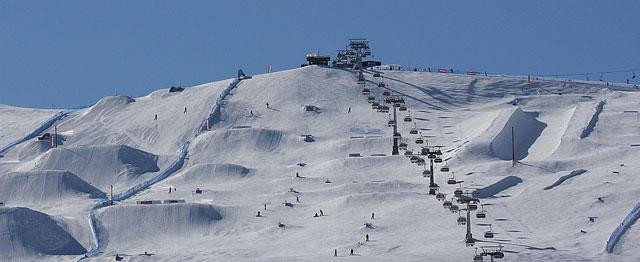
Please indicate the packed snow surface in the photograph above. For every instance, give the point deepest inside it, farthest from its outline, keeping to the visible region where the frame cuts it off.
(191, 170)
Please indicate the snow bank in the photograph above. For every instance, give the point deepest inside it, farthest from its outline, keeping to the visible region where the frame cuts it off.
(564, 178)
(25, 232)
(497, 187)
(100, 165)
(594, 120)
(527, 130)
(44, 186)
(131, 223)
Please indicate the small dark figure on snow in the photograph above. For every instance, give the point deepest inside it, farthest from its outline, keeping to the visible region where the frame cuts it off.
(373, 216)
(251, 112)
(335, 252)
(316, 215)
(297, 175)
(265, 206)
(258, 215)
(351, 254)
(185, 110)
(349, 109)
(298, 199)
(169, 190)
(267, 105)
(155, 117)
(321, 213)
(367, 238)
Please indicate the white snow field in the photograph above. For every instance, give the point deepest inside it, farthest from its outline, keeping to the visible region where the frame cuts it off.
(185, 193)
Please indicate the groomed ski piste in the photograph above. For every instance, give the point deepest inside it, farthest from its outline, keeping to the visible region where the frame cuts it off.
(188, 185)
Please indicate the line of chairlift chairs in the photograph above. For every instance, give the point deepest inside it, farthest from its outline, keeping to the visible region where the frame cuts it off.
(435, 154)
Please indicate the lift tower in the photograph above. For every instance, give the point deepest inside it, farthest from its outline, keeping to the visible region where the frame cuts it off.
(468, 239)
(396, 135)
(433, 187)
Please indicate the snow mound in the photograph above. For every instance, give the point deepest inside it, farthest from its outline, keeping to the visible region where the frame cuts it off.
(527, 129)
(235, 140)
(202, 173)
(108, 105)
(497, 187)
(44, 186)
(100, 165)
(132, 223)
(25, 232)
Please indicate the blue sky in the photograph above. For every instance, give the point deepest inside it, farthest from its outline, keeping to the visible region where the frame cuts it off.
(72, 53)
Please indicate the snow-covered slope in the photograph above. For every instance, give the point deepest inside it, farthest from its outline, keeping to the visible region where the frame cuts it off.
(575, 162)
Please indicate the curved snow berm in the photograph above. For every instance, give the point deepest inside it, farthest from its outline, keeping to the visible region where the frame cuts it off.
(44, 186)
(106, 106)
(594, 120)
(527, 130)
(203, 173)
(497, 187)
(26, 233)
(143, 223)
(43, 127)
(99, 165)
(564, 178)
(617, 234)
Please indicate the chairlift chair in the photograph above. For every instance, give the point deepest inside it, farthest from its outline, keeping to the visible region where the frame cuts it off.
(481, 213)
(366, 91)
(454, 208)
(408, 152)
(413, 131)
(440, 196)
(498, 254)
(473, 207)
(371, 99)
(451, 181)
(462, 220)
(402, 108)
(376, 74)
(386, 93)
(414, 159)
(402, 146)
(477, 258)
(444, 169)
(381, 84)
(458, 192)
(489, 234)
(437, 160)
(407, 119)
(426, 173)
(431, 155)
(419, 140)
(446, 204)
